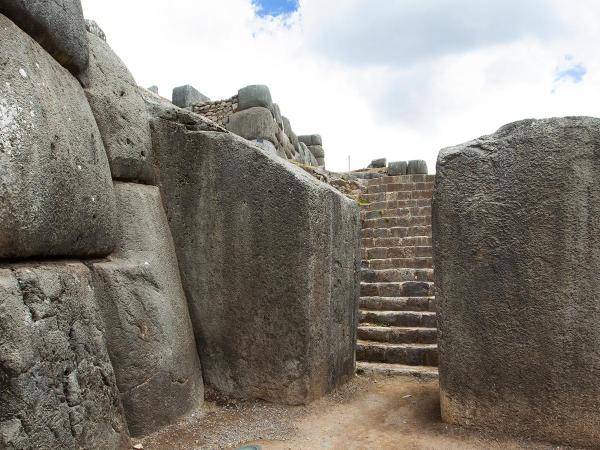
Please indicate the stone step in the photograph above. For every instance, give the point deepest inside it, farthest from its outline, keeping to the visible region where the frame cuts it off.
(398, 303)
(422, 372)
(398, 335)
(399, 195)
(415, 241)
(394, 263)
(397, 212)
(397, 232)
(399, 187)
(391, 222)
(408, 354)
(397, 252)
(394, 204)
(395, 275)
(401, 289)
(401, 179)
(420, 319)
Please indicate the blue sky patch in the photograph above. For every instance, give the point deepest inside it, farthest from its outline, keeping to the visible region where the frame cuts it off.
(573, 73)
(275, 7)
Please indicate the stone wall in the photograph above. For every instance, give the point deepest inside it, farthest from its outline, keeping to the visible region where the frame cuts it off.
(97, 283)
(217, 111)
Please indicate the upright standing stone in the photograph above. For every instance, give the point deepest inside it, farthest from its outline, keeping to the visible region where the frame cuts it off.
(186, 96)
(271, 274)
(397, 168)
(57, 385)
(311, 139)
(378, 163)
(256, 95)
(416, 167)
(120, 113)
(56, 195)
(148, 328)
(253, 123)
(516, 231)
(56, 25)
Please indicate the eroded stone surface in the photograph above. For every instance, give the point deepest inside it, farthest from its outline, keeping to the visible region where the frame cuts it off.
(516, 221)
(57, 386)
(270, 274)
(56, 25)
(120, 113)
(56, 196)
(148, 329)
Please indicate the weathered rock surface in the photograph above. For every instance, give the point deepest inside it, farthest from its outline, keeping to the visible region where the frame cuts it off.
(92, 27)
(397, 168)
(317, 151)
(56, 195)
(416, 167)
(516, 221)
(311, 139)
(253, 96)
(57, 386)
(378, 163)
(56, 25)
(186, 96)
(253, 123)
(270, 274)
(121, 114)
(148, 329)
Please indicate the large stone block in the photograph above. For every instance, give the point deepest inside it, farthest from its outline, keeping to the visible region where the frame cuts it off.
(516, 230)
(397, 168)
(253, 96)
(56, 195)
(57, 385)
(311, 139)
(120, 113)
(317, 151)
(253, 123)
(148, 328)
(270, 273)
(186, 96)
(417, 167)
(56, 25)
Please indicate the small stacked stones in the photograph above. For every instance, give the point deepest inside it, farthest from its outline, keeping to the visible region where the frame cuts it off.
(217, 111)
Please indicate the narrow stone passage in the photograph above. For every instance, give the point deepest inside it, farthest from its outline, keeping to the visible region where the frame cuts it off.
(397, 320)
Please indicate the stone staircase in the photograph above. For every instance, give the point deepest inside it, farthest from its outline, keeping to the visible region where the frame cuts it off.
(397, 331)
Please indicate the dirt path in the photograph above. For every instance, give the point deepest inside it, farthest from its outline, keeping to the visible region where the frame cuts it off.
(368, 413)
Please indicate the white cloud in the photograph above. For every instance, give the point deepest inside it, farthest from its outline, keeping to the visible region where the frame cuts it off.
(399, 79)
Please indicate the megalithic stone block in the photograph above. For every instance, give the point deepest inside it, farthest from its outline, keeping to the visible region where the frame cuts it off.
(378, 163)
(57, 25)
(58, 388)
(417, 167)
(148, 329)
(256, 95)
(516, 234)
(271, 274)
(120, 113)
(186, 96)
(311, 139)
(56, 194)
(254, 123)
(397, 168)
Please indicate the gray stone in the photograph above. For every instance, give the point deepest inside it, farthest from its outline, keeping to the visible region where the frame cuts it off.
(270, 274)
(153, 89)
(57, 25)
(254, 95)
(416, 167)
(397, 168)
(186, 96)
(287, 127)
(317, 151)
(253, 123)
(148, 329)
(321, 162)
(268, 147)
(309, 158)
(516, 221)
(92, 27)
(311, 139)
(120, 113)
(378, 163)
(277, 115)
(56, 195)
(58, 389)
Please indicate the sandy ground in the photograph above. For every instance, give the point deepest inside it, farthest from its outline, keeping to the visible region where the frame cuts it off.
(371, 412)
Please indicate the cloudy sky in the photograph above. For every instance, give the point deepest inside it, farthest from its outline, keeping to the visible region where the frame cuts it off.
(376, 78)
